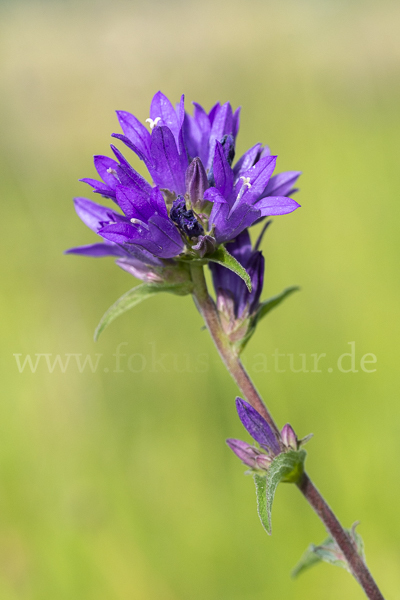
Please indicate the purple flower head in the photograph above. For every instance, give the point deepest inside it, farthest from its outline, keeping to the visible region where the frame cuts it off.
(257, 426)
(185, 155)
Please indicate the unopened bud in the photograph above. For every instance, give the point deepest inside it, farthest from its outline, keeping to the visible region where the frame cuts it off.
(289, 438)
(263, 462)
(244, 451)
(196, 184)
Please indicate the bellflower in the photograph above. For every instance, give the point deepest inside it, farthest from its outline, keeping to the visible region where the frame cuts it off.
(196, 201)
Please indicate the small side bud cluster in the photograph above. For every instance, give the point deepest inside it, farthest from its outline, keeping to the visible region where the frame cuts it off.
(236, 305)
(258, 459)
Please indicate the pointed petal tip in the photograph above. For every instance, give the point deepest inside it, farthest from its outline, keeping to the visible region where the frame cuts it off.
(240, 403)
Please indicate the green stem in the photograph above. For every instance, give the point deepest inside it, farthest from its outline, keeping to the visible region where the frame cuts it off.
(208, 310)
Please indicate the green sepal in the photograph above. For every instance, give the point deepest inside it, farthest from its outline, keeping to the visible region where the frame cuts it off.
(287, 467)
(263, 310)
(137, 295)
(224, 258)
(328, 552)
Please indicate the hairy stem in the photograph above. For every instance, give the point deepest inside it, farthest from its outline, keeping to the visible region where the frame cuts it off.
(208, 310)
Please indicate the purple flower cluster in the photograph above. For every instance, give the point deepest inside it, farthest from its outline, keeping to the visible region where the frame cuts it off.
(198, 199)
(260, 458)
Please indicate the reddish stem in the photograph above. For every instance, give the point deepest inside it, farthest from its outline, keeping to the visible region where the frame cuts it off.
(208, 310)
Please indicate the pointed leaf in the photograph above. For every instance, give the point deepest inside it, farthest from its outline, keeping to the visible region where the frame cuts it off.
(262, 508)
(137, 295)
(309, 559)
(273, 302)
(328, 552)
(286, 467)
(263, 310)
(222, 257)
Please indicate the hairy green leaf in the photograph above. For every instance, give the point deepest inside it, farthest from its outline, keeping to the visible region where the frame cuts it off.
(286, 467)
(137, 295)
(222, 257)
(328, 552)
(262, 508)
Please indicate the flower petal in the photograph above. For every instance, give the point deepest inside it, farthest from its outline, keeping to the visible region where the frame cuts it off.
(221, 124)
(107, 169)
(128, 176)
(98, 250)
(166, 236)
(99, 187)
(223, 174)
(244, 451)
(246, 161)
(259, 176)
(228, 224)
(93, 214)
(276, 205)
(168, 171)
(257, 426)
(236, 121)
(162, 107)
(213, 195)
(135, 131)
(281, 184)
(120, 233)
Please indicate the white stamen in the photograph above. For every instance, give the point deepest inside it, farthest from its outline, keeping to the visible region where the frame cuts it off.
(140, 223)
(246, 181)
(245, 185)
(153, 123)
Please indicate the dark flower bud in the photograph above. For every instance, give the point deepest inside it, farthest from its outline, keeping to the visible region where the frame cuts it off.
(196, 184)
(185, 219)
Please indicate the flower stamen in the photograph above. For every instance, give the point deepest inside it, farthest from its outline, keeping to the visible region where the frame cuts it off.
(245, 186)
(152, 122)
(140, 224)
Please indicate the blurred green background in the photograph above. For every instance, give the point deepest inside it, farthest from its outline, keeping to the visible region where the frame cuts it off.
(118, 485)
